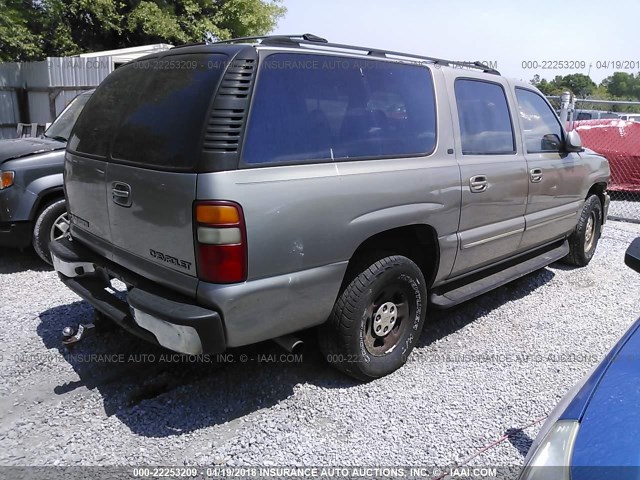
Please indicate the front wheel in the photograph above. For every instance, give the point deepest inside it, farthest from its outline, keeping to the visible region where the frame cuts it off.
(584, 239)
(52, 223)
(377, 319)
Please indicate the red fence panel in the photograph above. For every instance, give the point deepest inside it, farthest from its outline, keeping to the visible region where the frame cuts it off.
(619, 141)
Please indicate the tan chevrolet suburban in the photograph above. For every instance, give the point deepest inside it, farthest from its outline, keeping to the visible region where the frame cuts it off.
(250, 189)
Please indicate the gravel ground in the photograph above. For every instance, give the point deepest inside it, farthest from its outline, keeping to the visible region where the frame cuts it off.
(114, 400)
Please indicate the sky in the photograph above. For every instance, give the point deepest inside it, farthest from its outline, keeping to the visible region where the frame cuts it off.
(525, 38)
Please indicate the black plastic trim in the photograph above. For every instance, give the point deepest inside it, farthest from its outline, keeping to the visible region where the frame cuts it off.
(446, 298)
(496, 268)
(632, 256)
(143, 295)
(229, 113)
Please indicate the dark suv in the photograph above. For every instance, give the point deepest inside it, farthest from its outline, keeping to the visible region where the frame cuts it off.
(32, 204)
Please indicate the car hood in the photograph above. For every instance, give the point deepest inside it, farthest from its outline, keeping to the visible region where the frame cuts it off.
(610, 420)
(20, 147)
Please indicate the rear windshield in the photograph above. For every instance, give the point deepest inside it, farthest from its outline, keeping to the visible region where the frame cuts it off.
(316, 107)
(150, 112)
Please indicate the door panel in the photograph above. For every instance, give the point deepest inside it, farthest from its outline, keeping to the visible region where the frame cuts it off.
(555, 201)
(151, 215)
(493, 175)
(555, 180)
(491, 222)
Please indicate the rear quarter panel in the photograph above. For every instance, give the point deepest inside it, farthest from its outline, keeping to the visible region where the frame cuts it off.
(305, 222)
(300, 217)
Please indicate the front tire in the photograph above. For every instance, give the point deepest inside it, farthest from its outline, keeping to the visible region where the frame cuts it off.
(377, 319)
(52, 223)
(584, 239)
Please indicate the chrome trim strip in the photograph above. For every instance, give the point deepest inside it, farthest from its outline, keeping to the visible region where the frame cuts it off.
(555, 219)
(491, 239)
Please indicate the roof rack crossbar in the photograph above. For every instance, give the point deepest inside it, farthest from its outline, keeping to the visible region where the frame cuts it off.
(303, 37)
(242, 39)
(308, 39)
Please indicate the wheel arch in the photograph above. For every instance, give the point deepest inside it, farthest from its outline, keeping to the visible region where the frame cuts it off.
(44, 198)
(598, 189)
(417, 242)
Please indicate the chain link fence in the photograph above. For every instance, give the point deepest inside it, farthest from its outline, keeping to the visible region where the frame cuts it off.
(616, 135)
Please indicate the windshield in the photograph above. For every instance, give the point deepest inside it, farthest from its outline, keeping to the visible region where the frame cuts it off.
(62, 125)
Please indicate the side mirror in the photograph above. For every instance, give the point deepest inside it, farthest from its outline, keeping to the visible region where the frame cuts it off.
(632, 257)
(573, 143)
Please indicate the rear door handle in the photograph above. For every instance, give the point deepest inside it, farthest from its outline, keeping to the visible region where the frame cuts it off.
(478, 184)
(121, 194)
(535, 174)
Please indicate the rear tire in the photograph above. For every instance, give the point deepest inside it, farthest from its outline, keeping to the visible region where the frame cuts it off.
(377, 319)
(52, 223)
(584, 239)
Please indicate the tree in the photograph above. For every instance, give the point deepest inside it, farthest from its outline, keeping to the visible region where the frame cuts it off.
(17, 41)
(577, 83)
(547, 88)
(35, 29)
(619, 86)
(623, 85)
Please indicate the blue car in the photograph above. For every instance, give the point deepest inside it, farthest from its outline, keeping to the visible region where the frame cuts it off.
(594, 432)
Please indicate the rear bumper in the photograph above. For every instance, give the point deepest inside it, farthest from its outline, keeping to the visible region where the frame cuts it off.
(15, 234)
(149, 312)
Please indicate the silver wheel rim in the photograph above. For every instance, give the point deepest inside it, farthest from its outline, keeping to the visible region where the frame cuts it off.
(590, 232)
(387, 319)
(384, 319)
(60, 227)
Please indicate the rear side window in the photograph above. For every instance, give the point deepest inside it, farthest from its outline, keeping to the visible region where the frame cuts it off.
(315, 107)
(542, 130)
(485, 121)
(152, 110)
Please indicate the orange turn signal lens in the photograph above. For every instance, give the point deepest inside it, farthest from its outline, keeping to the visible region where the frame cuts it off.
(6, 179)
(217, 214)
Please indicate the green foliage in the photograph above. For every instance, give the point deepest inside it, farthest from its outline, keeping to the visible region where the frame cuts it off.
(623, 85)
(578, 83)
(35, 29)
(619, 86)
(17, 41)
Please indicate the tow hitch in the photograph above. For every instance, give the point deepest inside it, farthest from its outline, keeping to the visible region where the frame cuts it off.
(72, 335)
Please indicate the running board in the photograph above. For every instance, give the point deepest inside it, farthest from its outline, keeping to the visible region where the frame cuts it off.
(466, 292)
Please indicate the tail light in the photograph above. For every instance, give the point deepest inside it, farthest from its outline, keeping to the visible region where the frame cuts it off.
(221, 241)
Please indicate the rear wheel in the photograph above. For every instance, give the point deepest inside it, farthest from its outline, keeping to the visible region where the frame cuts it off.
(376, 320)
(52, 224)
(584, 239)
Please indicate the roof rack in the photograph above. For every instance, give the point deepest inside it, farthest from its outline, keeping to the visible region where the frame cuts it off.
(195, 44)
(309, 39)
